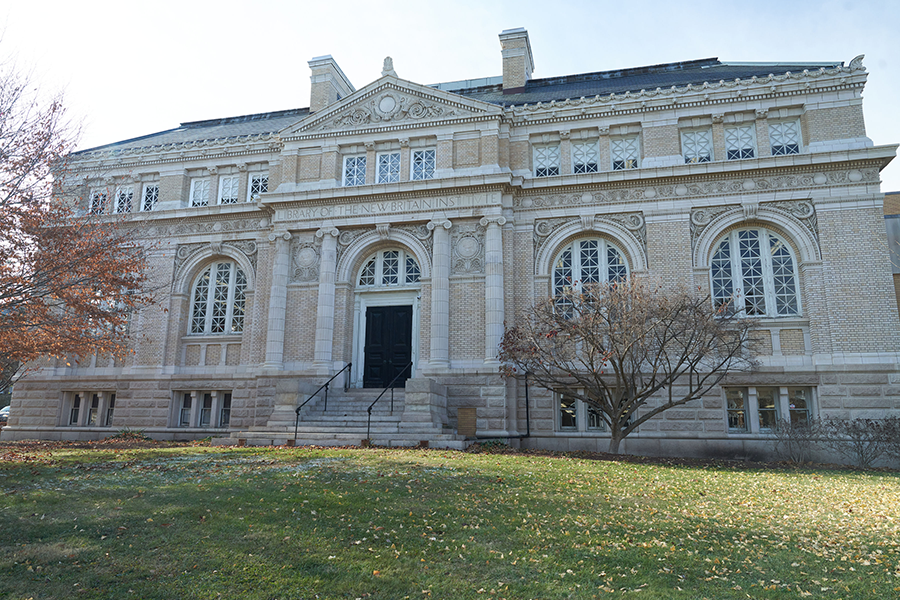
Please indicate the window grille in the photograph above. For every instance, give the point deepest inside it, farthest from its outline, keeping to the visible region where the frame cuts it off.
(354, 170)
(124, 196)
(200, 192)
(697, 146)
(423, 164)
(584, 158)
(785, 138)
(151, 195)
(228, 190)
(587, 261)
(546, 161)
(259, 184)
(389, 267)
(739, 142)
(761, 283)
(98, 202)
(219, 300)
(625, 153)
(389, 168)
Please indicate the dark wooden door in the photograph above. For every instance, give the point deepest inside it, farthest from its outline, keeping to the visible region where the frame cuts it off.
(388, 345)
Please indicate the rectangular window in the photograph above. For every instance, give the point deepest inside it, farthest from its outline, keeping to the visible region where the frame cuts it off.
(423, 162)
(228, 189)
(389, 168)
(94, 410)
(76, 408)
(199, 192)
(576, 415)
(354, 170)
(625, 153)
(736, 402)
(546, 161)
(225, 411)
(767, 403)
(259, 184)
(584, 157)
(799, 405)
(740, 142)
(98, 202)
(184, 415)
(206, 410)
(697, 146)
(109, 410)
(124, 196)
(568, 413)
(151, 195)
(785, 138)
(768, 406)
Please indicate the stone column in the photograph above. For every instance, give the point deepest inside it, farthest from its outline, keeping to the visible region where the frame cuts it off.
(440, 294)
(325, 309)
(277, 301)
(493, 287)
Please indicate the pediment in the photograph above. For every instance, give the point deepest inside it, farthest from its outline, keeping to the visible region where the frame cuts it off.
(391, 102)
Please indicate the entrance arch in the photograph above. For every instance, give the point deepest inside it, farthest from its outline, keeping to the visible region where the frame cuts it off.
(386, 318)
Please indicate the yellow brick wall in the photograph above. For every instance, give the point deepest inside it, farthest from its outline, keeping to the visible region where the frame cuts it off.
(825, 124)
(310, 168)
(792, 341)
(661, 140)
(466, 320)
(519, 155)
(466, 153)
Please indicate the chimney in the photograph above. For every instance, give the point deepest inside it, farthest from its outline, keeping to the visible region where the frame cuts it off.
(329, 84)
(517, 60)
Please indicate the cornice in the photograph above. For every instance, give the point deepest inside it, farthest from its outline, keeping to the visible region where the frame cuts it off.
(707, 94)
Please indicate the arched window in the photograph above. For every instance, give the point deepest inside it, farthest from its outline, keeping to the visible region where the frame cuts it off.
(591, 260)
(389, 268)
(754, 270)
(219, 299)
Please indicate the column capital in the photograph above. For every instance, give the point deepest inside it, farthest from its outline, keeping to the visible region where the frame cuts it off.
(332, 231)
(493, 220)
(285, 235)
(762, 113)
(437, 223)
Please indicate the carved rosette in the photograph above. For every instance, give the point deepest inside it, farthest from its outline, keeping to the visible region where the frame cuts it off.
(305, 257)
(467, 249)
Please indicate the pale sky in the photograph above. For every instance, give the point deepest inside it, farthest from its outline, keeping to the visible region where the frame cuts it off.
(131, 68)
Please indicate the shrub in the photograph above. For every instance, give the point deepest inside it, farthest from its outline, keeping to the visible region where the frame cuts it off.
(861, 441)
(794, 442)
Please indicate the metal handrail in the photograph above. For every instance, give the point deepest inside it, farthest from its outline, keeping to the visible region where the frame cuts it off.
(324, 386)
(390, 386)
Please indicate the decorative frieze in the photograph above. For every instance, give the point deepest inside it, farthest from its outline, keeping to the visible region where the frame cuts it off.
(634, 223)
(199, 227)
(390, 106)
(710, 187)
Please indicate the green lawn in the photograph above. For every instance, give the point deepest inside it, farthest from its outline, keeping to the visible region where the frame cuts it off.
(204, 522)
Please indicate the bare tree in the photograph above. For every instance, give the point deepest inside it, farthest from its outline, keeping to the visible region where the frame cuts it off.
(68, 279)
(629, 349)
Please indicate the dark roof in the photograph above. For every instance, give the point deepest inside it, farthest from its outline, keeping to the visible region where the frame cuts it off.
(601, 83)
(194, 131)
(604, 83)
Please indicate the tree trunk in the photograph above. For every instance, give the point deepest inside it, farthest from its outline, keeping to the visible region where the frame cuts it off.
(614, 441)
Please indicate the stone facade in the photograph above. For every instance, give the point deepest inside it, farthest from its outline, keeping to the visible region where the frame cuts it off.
(456, 202)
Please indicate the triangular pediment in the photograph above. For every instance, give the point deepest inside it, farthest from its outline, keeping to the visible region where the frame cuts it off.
(391, 102)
